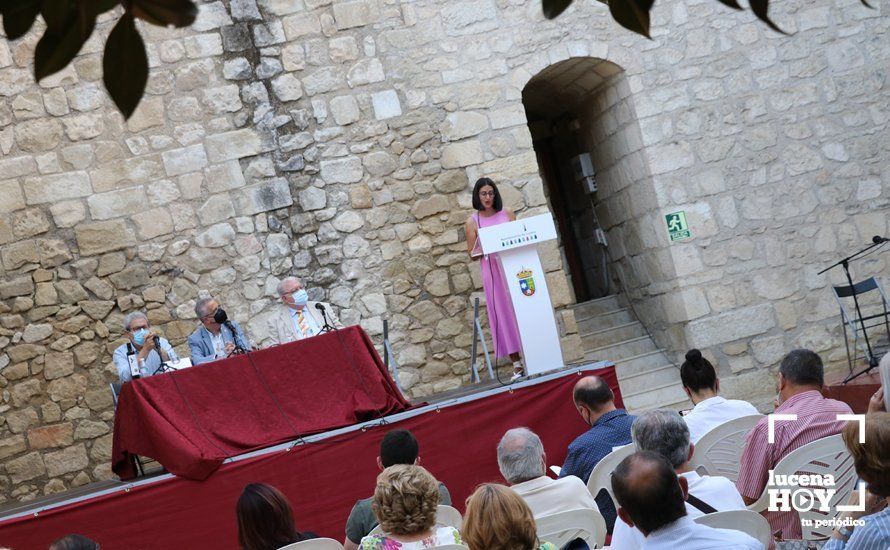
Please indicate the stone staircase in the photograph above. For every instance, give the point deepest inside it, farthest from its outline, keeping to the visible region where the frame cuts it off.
(647, 379)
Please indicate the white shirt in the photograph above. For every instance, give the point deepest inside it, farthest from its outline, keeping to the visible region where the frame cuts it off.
(715, 411)
(546, 496)
(688, 535)
(219, 345)
(717, 491)
(310, 322)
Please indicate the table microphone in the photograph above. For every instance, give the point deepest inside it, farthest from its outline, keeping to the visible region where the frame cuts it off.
(878, 239)
(221, 318)
(324, 312)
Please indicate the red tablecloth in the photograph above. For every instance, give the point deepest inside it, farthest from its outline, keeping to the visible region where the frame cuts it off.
(191, 420)
(322, 480)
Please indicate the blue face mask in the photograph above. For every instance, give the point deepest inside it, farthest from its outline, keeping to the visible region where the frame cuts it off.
(139, 336)
(301, 297)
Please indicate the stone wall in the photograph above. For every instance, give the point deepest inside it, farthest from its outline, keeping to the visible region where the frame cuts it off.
(337, 141)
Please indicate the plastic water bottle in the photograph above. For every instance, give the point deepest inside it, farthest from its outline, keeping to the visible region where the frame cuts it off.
(174, 359)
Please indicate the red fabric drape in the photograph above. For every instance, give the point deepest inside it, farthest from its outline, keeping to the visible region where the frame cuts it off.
(191, 420)
(322, 480)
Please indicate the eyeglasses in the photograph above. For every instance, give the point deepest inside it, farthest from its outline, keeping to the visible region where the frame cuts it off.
(210, 315)
(136, 329)
(486, 194)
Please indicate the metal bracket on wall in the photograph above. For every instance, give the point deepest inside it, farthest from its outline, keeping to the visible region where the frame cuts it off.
(388, 354)
(478, 336)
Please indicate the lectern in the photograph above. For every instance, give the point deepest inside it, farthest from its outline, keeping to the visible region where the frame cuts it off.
(515, 242)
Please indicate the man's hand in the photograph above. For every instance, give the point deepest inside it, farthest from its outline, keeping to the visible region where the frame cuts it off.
(230, 347)
(876, 403)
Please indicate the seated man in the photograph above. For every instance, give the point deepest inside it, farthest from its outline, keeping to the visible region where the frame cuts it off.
(523, 464)
(651, 498)
(298, 318)
(663, 432)
(609, 427)
(701, 384)
(801, 377)
(212, 340)
(142, 346)
(397, 447)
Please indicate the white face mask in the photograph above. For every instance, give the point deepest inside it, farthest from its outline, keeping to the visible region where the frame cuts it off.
(300, 297)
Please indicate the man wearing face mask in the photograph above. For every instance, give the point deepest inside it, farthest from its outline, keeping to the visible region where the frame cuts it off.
(142, 345)
(298, 317)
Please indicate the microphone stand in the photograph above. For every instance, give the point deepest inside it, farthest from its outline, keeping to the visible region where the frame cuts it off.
(238, 347)
(845, 263)
(324, 314)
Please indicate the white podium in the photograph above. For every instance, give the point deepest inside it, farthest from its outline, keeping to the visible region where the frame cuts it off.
(515, 243)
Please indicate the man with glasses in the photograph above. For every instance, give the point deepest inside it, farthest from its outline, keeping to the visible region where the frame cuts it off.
(299, 317)
(142, 346)
(213, 340)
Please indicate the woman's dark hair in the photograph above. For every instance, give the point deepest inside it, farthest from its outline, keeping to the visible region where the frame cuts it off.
(697, 373)
(477, 202)
(74, 542)
(265, 519)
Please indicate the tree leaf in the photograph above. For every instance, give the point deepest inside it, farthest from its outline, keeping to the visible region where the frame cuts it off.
(125, 65)
(760, 8)
(60, 45)
(632, 14)
(731, 3)
(552, 8)
(18, 16)
(179, 13)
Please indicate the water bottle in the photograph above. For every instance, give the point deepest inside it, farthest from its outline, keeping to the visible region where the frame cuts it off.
(174, 359)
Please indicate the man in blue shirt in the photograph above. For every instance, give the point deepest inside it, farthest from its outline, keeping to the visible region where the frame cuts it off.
(609, 427)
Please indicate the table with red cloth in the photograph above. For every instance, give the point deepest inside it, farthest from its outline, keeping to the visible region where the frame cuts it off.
(191, 420)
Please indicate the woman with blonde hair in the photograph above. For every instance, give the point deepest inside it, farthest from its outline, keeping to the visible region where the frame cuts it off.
(405, 502)
(498, 519)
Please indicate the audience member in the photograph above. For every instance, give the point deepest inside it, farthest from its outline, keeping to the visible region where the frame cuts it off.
(212, 340)
(651, 498)
(800, 382)
(663, 432)
(405, 502)
(298, 317)
(397, 447)
(609, 428)
(74, 542)
(141, 346)
(701, 384)
(498, 519)
(265, 519)
(523, 464)
(872, 462)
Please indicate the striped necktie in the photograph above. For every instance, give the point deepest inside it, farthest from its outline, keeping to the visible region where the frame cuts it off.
(304, 325)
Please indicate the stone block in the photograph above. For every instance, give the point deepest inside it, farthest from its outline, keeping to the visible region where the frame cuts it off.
(312, 198)
(342, 49)
(148, 114)
(70, 291)
(28, 223)
(48, 437)
(459, 155)
(38, 135)
(211, 15)
(17, 254)
(224, 177)
(182, 161)
(730, 326)
(36, 332)
(436, 283)
(301, 24)
(153, 223)
(235, 145)
(70, 459)
(58, 365)
(20, 286)
(469, 17)
(345, 110)
(216, 236)
(26, 467)
(90, 429)
(116, 204)
(67, 213)
(342, 170)
(11, 197)
(11, 446)
(463, 124)
(287, 87)
(100, 237)
(348, 221)
(431, 206)
(55, 187)
(126, 173)
(365, 71)
(355, 13)
(20, 420)
(133, 276)
(69, 387)
(386, 104)
(263, 197)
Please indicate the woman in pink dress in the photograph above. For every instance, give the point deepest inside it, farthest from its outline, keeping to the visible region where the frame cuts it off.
(501, 318)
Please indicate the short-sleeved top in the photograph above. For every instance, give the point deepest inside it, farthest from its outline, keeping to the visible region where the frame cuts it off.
(362, 520)
(816, 418)
(382, 541)
(712, 412)
(610, 430)
(874, 534)
(152, 360)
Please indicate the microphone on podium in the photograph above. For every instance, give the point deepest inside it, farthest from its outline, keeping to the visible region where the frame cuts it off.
(324, 312)
(877, 239)
(220, 317)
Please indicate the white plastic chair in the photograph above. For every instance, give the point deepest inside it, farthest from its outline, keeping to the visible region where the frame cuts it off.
(564, 527)
(824, 456)
(600, 477)
(745, 521)
(717, 453)
(314, 544)
(446, 516)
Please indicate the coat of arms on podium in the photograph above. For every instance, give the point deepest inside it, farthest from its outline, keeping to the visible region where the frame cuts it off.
(526, 282)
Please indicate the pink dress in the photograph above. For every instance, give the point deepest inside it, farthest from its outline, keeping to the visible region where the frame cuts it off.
(501, 318)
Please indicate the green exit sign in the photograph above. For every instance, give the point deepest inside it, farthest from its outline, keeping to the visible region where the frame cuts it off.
(677, 227)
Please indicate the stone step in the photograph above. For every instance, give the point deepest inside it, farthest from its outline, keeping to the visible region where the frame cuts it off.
(618, 350)
(644, 362)
(653, 378)
(606, 320)
(654, 397)
(592, 308)
(604, 337)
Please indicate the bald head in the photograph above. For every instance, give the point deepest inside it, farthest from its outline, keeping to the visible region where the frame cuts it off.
(593, 393)
(648, 491)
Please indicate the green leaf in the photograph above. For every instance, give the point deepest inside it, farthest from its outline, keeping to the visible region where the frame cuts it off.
(18, 16)
(179, 13)
(552, 8)
(632, 14)
(58, 46)
(731, 3)
(760, 8)
(125, 65)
